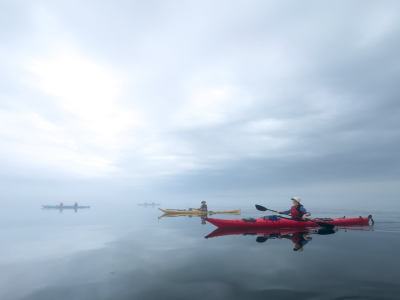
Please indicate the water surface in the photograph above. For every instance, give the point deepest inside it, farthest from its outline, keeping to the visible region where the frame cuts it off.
(128, 253)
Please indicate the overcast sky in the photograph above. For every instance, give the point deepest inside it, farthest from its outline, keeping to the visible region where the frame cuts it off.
(208, 97)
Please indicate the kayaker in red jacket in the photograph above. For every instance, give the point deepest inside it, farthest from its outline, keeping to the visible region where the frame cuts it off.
(297, 210)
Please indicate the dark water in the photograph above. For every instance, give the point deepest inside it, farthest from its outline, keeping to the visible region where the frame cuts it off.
(128, 253)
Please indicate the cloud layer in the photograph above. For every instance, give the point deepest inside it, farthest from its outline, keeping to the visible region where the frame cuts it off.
(217, 95)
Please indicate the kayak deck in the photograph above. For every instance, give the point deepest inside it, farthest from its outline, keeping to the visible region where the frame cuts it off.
(285, 223)
(197, 212)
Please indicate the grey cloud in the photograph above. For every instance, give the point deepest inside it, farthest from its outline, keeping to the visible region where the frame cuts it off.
(327, 72)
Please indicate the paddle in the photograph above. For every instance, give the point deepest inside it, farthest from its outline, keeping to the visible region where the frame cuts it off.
(322, 224)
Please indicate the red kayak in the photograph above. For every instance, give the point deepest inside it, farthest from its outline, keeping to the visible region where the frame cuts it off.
(286, 223)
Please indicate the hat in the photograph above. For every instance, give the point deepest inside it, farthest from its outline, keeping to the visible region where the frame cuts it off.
(203, 201)
(296, 199)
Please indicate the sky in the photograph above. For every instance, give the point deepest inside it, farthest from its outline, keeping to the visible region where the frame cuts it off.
(152, 99)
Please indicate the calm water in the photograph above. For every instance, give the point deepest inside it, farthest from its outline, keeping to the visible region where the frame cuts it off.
(128, 253)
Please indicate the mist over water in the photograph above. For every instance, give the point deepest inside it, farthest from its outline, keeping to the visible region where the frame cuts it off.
(112, 252)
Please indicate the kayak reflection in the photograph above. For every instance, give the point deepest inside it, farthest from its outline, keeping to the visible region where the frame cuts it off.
(299, 237)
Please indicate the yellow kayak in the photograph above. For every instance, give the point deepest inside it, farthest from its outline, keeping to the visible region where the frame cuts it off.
(196, 215)
(197, 212)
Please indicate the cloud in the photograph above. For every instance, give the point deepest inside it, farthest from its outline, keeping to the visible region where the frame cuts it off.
(179, 92)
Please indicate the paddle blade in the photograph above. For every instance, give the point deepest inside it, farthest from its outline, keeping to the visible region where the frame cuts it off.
(261, 208)
(325, 225)
(326, 231)
(261, 239)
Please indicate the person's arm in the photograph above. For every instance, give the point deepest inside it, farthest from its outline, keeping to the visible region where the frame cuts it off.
(306, 213)
(303, 243)
(286, 212)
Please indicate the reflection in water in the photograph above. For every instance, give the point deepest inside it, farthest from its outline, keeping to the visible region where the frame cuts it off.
(300, 237)
(61, 208)
(127, 254)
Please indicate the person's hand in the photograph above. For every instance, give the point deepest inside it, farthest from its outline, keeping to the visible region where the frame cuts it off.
(279, 212)
(304, 217)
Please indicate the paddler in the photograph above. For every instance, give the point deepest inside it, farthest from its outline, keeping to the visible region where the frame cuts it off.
(61, 204)
(297, 210)
(203, 206)
(76, 204)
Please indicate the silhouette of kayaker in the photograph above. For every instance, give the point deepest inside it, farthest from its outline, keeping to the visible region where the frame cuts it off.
(61, 204)
(297, 210)
(76, 204)
(203, 206)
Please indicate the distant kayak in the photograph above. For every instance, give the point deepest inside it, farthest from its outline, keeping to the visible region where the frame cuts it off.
(197, 212)
(64, 206)
(149, 204)
(285, 223)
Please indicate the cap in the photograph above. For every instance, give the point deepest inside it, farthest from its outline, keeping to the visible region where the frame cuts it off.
(296, 199)
(203, 201)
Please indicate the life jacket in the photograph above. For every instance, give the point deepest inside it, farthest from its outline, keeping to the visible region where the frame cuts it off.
(296, 212)
(297, 238)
